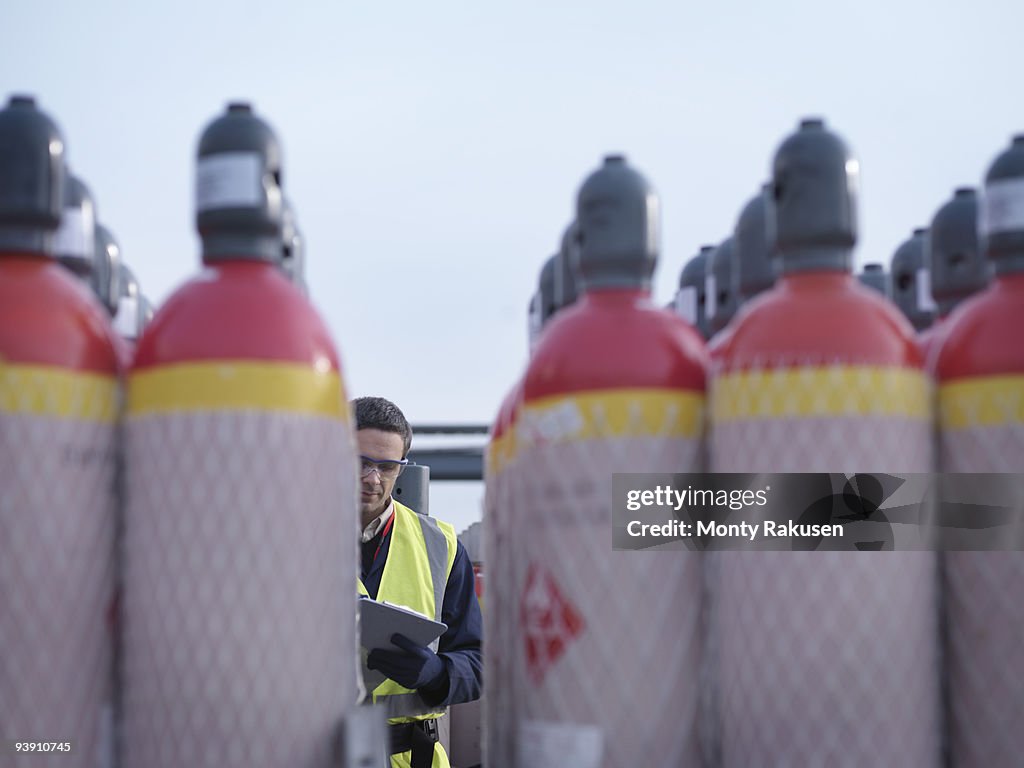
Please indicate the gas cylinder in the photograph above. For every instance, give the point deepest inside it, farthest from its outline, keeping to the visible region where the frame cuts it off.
(293, 252)
(241, 474)
(755, 265)
(106, 273)
(533, 319)
(105, 282)
(496, 521)
(911, 286)
(616, 384)
(721, 296)
(956, 266)
(466, 720)
(500, 454)
(822, 657)
(546, 298)
(566, 289)
(59, 406)
(542, 303)
(128, 319)
(146, 311)
(691, 298)
(412, 488)
(980, 372)
(875, 277)
(75, 244)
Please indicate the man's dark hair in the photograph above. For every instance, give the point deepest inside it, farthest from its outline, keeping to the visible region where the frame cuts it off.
(378, 413)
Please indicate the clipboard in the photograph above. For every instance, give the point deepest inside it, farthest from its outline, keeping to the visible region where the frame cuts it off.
(378, 621)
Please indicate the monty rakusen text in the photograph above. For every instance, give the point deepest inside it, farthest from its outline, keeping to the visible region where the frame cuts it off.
(677, 529)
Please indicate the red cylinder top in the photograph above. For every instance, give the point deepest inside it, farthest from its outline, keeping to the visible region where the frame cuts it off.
(817, 318)
(982, 337)
(236, 310)
(615, 339)
(49, 318)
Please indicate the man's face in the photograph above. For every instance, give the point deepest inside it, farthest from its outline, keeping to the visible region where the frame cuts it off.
(375, 485)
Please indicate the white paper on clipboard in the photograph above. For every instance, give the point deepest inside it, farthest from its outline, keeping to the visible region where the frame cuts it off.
(378, 621)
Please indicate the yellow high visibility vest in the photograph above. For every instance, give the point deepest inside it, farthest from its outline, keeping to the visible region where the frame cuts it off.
(416, 571)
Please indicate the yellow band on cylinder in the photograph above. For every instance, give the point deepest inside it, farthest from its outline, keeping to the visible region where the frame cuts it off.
(640, 412)
(985, 401)
(237, 385)
(838, 390)
(60, 393)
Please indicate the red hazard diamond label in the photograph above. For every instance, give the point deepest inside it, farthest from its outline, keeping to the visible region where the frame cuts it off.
(549, 621)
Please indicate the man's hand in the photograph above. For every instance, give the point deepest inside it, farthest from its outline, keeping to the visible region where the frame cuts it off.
(413, 667)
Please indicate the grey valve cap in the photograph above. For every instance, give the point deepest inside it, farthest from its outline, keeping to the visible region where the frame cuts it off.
(566, 290)
(691, 299)
(546, 289)
(129, 283)
(239, 202)
(31, 178)
(146, 312)
(75, 241)
(755, 265)
(542, 303)
(875, 277)
(813, 201)
(617, 219)
(106, 275)
(722, 307)
(134, 310)
(956, 265)
(910, 292)
(1001, 223)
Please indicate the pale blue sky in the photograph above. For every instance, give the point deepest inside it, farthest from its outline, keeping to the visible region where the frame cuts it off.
(433, 150)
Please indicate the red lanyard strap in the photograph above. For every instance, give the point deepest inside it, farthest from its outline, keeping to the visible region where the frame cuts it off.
(383, 535)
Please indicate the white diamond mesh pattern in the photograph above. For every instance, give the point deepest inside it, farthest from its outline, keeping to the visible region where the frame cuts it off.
(57, 548)
(240, 580)
(824, 658)
(984, 609)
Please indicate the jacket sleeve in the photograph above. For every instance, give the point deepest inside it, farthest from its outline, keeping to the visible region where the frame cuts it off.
(460, 645)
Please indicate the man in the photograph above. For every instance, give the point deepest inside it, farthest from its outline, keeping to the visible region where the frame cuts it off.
(415, 561)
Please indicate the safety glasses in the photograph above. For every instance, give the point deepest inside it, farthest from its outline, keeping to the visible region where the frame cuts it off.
(387, 469)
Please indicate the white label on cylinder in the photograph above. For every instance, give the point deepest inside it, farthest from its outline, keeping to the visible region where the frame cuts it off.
(76, 234)
(925, 302)
(554, 745)
(126, 321)
(229, 180)
(710, 294)
(686, 304)
(1002, 207)
(552, 425)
